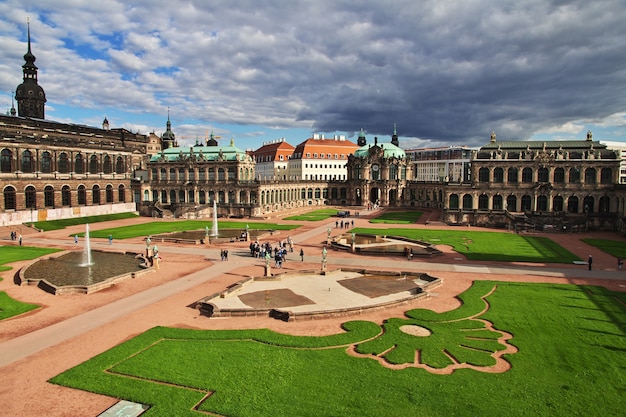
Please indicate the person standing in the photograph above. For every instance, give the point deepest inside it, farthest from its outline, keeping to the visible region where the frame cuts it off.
(19, 238)
(110, 239)
(620, 263)
(301, 255)
(589, 262)
(76, 239)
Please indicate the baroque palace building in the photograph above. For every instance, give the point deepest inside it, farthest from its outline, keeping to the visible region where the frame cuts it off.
(53, 170)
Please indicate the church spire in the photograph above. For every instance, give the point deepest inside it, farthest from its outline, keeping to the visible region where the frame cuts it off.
(168, 138)
(30, 96)
(394, 138)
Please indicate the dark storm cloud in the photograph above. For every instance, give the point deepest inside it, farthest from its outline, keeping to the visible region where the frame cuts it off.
(444, 71)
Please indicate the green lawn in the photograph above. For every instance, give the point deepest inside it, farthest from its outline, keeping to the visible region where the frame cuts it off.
(8, 254)
(398, 217)
(612, 247)
(154, 228)
(570, 361)
(314, 216)
(487, 246)
(62, 224)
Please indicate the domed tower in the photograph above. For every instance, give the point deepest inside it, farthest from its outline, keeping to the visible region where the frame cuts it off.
(211, 141)
(394, 138)
(29, 95)
(361, 140)
(168, 138)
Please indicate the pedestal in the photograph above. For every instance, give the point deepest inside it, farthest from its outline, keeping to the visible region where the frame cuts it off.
(353, 248)
(268, 271)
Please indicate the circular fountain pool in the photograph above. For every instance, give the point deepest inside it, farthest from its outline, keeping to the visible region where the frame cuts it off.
(67, 272)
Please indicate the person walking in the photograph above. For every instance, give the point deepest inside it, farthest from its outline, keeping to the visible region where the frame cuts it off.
(301, 255)
(110, 239)
(589, 262)
(620, 263)
(19, 238)
(76, 239)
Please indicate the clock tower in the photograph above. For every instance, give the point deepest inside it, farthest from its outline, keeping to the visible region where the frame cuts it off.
(30, 97)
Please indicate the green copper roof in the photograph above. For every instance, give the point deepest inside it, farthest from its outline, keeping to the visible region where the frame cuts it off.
(389, 150)
(200, 153)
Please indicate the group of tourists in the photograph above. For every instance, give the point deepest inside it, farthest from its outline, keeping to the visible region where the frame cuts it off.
(344, 224)
(16, 236)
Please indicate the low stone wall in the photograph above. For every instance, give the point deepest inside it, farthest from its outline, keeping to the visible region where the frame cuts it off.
(209, 309)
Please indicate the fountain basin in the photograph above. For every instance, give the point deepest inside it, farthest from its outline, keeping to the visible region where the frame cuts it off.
(308, 295)
(62, 273)
(367, 244)
(197, 237)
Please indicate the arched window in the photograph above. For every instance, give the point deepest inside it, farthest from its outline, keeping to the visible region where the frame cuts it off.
(173, 198)
(64, 163)
(590, 176)
(231, 174)
(511, 203)
(574, 175)
(221, 175)
(468, 202)
(107, 167)
(559, 176)
(46, 162)
(375, 172)
(6, 161)
(121, 193)
(572, 204)
(27, 161)
(483, 175)
(172, 174)
(557, 203)
(181, 196)
(527, 175)
(606, 176)
(93, 164)
(30, 197)
(604, 204)
(512, 175)
(82, 195)
(79, 164)
(393, 172)
(120, 166)
(9, 198)
(483, 202)
(542, 203)
(191, 196)
(95, 191)
(454, 201)
(543, 175)
(66, 196)
(109, 193)
(498, 175)
(526, 203)
(48, 196)
(497, 202)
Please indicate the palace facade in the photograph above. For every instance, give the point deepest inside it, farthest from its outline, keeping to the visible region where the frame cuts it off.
(52, 170)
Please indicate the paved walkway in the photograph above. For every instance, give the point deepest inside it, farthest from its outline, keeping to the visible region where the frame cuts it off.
(31, 343)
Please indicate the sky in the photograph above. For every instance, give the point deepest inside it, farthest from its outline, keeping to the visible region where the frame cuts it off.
(444, 73)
